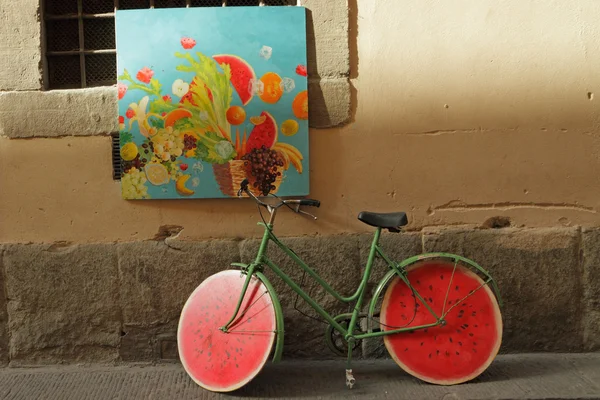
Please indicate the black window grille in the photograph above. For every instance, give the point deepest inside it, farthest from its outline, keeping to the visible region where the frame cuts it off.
(80, 36)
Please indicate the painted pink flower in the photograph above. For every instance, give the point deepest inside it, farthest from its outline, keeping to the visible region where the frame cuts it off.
(167, 98)
(301, 70)
(187, 43)
(121, 89)
(144, 75)
(130, 113)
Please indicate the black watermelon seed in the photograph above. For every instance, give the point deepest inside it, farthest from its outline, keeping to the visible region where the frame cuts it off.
(442, 277)
(447, 354)
(474, 350)
(457, 353)
(421, 343)
(456, 287)
(411, 332)
(425, 330)
(406, 349)
(471, 334)
(437, 352)
(466, 325)
(430, 300)
(474, 313)
(237, 366)
(487, 324)
(458, 331)
(418, 282)
(430, 287)
(460, 343)
(450, 340)
(476, 326)
(429, 355)
(449, 301)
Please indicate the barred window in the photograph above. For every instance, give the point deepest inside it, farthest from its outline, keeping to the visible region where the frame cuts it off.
(80, 36)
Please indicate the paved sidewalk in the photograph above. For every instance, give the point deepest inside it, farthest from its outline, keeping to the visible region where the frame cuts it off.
(533, 376)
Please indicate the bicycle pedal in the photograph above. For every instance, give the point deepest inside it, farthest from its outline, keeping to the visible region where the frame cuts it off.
(350, 381)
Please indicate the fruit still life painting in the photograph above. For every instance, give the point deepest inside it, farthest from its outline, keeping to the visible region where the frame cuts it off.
(209, 97)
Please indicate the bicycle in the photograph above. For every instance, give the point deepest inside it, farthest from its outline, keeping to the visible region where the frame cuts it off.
(439, 317)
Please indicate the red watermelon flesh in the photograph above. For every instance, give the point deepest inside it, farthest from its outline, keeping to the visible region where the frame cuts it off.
(219, 361)
(264, 134)
(241, 75)
(450, 354)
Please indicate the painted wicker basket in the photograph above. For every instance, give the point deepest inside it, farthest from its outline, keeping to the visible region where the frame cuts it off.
(230, 175)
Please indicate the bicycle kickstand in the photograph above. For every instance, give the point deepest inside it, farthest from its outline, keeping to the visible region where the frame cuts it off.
(350, 381)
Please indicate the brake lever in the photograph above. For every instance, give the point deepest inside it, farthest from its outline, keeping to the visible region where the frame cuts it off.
(304, 212)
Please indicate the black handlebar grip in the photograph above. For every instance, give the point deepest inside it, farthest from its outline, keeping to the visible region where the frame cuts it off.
(310, 203)
(244, 184)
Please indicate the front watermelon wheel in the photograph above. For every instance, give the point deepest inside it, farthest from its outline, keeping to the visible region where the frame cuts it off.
(219, 361)
(446, 354)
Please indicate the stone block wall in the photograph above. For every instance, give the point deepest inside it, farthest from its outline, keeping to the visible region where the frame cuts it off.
(74, 303)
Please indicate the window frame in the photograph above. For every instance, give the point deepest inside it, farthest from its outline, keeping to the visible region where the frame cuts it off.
(82, 52)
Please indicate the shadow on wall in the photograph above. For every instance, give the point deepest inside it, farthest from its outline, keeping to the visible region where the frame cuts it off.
(332, 99)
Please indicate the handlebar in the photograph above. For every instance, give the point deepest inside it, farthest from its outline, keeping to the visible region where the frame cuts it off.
(298, 202)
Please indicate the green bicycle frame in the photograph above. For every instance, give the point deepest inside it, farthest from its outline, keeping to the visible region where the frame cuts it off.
(255, 268)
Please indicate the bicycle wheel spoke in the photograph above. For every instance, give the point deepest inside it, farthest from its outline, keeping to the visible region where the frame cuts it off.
(471, 293)
(247, 320)
(247, 309)
(449, 286)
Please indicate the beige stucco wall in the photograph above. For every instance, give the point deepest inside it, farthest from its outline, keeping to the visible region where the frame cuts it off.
(461, 111)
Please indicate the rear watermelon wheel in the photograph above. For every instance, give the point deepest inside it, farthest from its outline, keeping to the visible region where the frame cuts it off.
(219, 361)
(446, 354)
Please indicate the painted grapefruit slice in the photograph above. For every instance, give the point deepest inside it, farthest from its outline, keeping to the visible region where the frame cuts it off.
(263, 134)
(456, 352)
(219, 361)
(241, 75)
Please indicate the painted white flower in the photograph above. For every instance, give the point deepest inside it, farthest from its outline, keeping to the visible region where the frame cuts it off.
(142, 118)
(180, 87)
(203, 115)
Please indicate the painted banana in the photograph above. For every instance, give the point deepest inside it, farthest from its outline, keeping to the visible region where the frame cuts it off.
(284, 157)
(290, 149)
(292, 154)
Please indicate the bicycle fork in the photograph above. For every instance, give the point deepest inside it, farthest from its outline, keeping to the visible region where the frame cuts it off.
(249, 274)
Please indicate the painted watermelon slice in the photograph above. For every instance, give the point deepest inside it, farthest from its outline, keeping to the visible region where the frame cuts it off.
(219, 361)
(264, 134)
(446, 354)
(241, 75)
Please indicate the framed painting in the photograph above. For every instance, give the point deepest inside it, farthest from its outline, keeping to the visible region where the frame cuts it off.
(209, 97)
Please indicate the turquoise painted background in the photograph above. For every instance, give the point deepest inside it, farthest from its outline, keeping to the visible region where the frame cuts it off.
(150, 38)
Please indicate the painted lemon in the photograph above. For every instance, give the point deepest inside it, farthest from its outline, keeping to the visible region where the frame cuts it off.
(129, 151)
(236, 115)
(273, 91)
(289, 127)
(157, 174)
(180, 186)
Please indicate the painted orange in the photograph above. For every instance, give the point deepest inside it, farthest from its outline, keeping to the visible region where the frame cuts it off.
(300, 105)
(272, 88)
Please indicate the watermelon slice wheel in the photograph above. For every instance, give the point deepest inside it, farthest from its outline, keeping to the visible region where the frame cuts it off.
(463, 346)
(225, 361)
